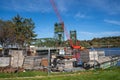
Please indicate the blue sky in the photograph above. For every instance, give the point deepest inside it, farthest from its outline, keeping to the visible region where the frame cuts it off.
(90, 18)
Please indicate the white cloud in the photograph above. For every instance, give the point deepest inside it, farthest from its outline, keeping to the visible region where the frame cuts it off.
(112, 33)
(112, 22)
(79, 15)
(37, 5)
(90, 35)
(28, 5)
(61, 5)
(109, 6)
(100, 34)
(86, 33)
(65, 5)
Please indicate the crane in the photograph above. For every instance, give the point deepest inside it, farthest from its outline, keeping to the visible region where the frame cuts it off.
(63, 26)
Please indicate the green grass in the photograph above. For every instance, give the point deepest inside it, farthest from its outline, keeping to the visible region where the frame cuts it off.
(108, 74)
(23, 74)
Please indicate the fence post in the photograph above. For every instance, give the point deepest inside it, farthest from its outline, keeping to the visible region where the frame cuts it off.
(49, 62)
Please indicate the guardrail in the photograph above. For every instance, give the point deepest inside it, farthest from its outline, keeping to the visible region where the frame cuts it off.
(46, 48)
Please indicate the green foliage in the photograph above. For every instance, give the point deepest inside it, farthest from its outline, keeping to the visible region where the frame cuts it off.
(96, 42)
(102, 42)
(23, 74)
(6, 33)
(18, 32)
(24, 30)
(45, 42)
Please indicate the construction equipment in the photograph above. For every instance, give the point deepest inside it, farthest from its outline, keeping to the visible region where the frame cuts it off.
(61, 21)
(75, 47)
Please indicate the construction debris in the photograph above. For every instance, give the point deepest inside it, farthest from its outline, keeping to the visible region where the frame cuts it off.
(5, 61)
(17, 58)
(30, 62)
(62, 62)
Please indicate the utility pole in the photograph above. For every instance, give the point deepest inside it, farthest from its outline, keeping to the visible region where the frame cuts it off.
(49, 70)
(93, 49)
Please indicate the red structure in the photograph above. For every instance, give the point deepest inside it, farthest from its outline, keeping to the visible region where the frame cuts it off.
(61, 21)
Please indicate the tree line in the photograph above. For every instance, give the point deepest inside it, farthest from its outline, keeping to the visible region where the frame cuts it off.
(17, 32)
(95, 42)
(104, 42)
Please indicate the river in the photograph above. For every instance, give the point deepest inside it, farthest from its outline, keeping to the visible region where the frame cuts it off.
(111, 52)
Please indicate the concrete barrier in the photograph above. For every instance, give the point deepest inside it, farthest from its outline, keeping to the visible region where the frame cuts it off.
(4, 61)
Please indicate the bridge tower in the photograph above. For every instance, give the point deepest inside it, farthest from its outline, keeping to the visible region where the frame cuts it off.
(59, 34)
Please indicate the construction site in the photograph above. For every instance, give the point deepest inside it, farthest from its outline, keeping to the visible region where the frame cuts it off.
(60, 58)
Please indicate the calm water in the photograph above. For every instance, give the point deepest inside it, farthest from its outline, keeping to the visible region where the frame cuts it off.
(111, 52)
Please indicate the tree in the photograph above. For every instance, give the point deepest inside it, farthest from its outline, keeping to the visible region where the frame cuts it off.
(6, 34)
(17, 32)
(28, 31)
(24, 30)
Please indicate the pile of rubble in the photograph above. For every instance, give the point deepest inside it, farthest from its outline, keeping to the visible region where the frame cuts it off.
(8, 69)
